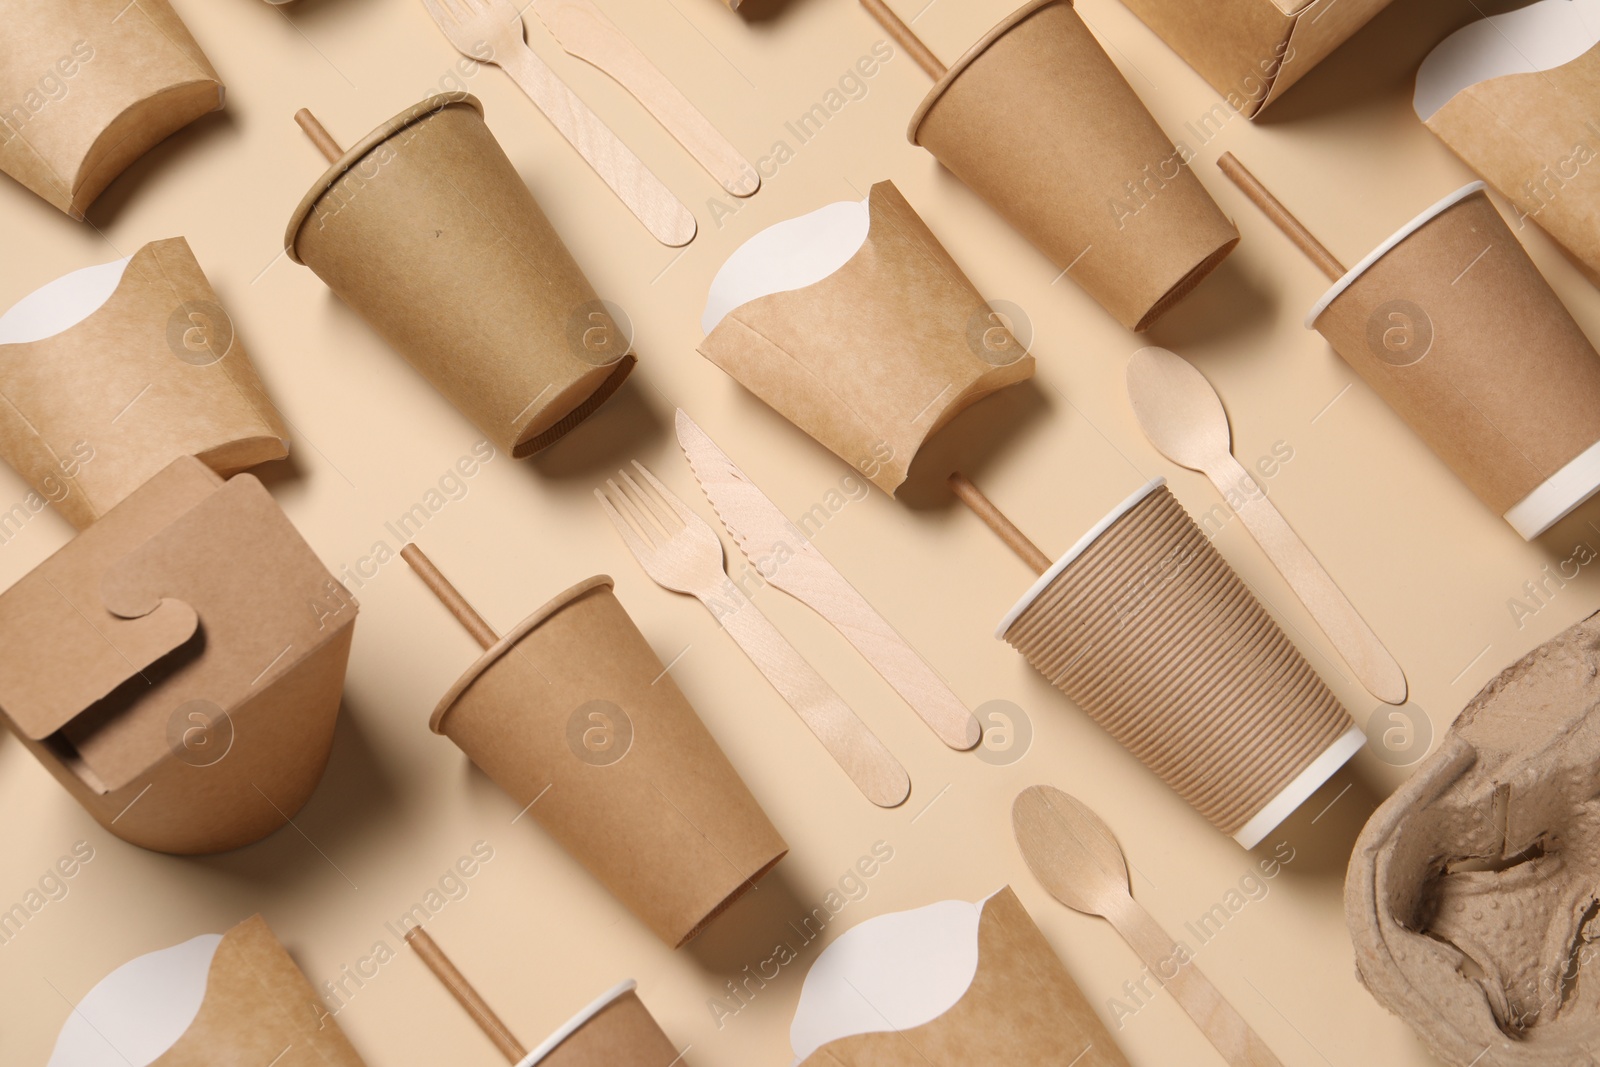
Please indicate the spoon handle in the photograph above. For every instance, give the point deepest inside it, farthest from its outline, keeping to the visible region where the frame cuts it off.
(1360, 647)
(1224, 1027)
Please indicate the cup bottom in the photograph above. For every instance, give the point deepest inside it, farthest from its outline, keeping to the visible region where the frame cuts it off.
(1299, 790)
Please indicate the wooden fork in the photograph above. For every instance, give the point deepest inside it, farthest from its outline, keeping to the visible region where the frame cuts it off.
(475, 27)
(679, 551)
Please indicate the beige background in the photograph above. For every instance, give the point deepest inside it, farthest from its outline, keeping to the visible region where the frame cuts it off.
(1428, 566)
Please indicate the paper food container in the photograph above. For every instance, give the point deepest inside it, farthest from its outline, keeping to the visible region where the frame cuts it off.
(426, 230)
(1251, 51)
(855, 324)
(89, 87)
(1467, 893)
(234, 999)
(113, 371)
(178, 665)
(616, 1030)
(1041, 124)
(1145, 626)
(573, 714)
(1517, 97)
(953, 982)
(1452, 324)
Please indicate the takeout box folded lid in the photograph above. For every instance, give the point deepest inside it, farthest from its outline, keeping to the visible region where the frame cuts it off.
(136, 587)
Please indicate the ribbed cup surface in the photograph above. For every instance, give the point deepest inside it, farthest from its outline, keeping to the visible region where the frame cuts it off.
(1153, 635)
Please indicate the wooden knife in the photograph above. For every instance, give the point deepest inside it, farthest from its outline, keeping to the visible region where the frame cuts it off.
(794, 565)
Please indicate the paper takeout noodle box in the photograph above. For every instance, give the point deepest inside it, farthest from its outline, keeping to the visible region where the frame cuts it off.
(427, 231)
(1039, 122)
(234, 998)
(1018, 1006)
(1252, 51)
(615, 1030)
(1452, 324)
(573, 709)
(111, 372)
(1145, 626)
(1532, 134)
(89, 86)
(875, 357)
(178, 665)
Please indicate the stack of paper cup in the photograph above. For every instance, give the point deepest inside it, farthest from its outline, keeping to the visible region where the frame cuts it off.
(1147, 628)
(1452, 324)
(425, 228)
(1040, 123)
(574, 715)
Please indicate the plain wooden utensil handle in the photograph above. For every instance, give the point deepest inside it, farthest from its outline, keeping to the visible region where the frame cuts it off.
(1349, 632)
(651, 202)
(1222, 1024)
(906, 38)
(319, 135)
(1273, 209)
(584, 31)
(856, 749)
(465, 995)
(995, 519)
(449, 596)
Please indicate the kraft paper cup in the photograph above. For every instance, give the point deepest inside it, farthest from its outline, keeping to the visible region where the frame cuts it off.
(1452, 324)
(573, 714)
(616, 1030)
(426, 229)
(1149, 630)
(111, 372)
(1040, 123)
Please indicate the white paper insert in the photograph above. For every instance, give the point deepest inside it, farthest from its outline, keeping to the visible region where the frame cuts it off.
(137, 1012)
(786, 256)
(61, 304)
(1542, 36)
(893, 972)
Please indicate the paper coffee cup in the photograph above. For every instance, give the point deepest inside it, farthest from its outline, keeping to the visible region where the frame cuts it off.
(572, 714)
(89, 87)
(111, 372)
(426, 229)
(1147, 628)
(874, 356)
(616, 1030)
(1041, 124)
(1452, 324)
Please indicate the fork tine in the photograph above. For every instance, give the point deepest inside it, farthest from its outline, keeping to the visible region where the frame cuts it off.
(630, 537)
(684, 514)
(641, 521)
(664, 516)
(441, 11)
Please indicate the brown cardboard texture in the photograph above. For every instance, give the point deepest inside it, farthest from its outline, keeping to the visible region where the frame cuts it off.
(178, 666)
(1041, 124)
(615, 1031)
(426, 230)
(573, 709)
(1470, 895)
(1235, 718)
(1456, 329)
(1530, 136)
(259, 1008)
(154, 373)
(1252, 51)
(1023, 1010)
(91, 85)
(879, 355)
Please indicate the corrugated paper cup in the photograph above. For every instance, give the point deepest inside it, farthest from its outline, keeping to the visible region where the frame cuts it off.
(1147, 628)
(573, 710)
(1041, 124)
(1452, 324)
(426, 229)
(616, 1030)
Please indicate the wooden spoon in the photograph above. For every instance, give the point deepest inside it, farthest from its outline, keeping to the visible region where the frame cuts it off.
(1072, 853)
(1183, 417)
